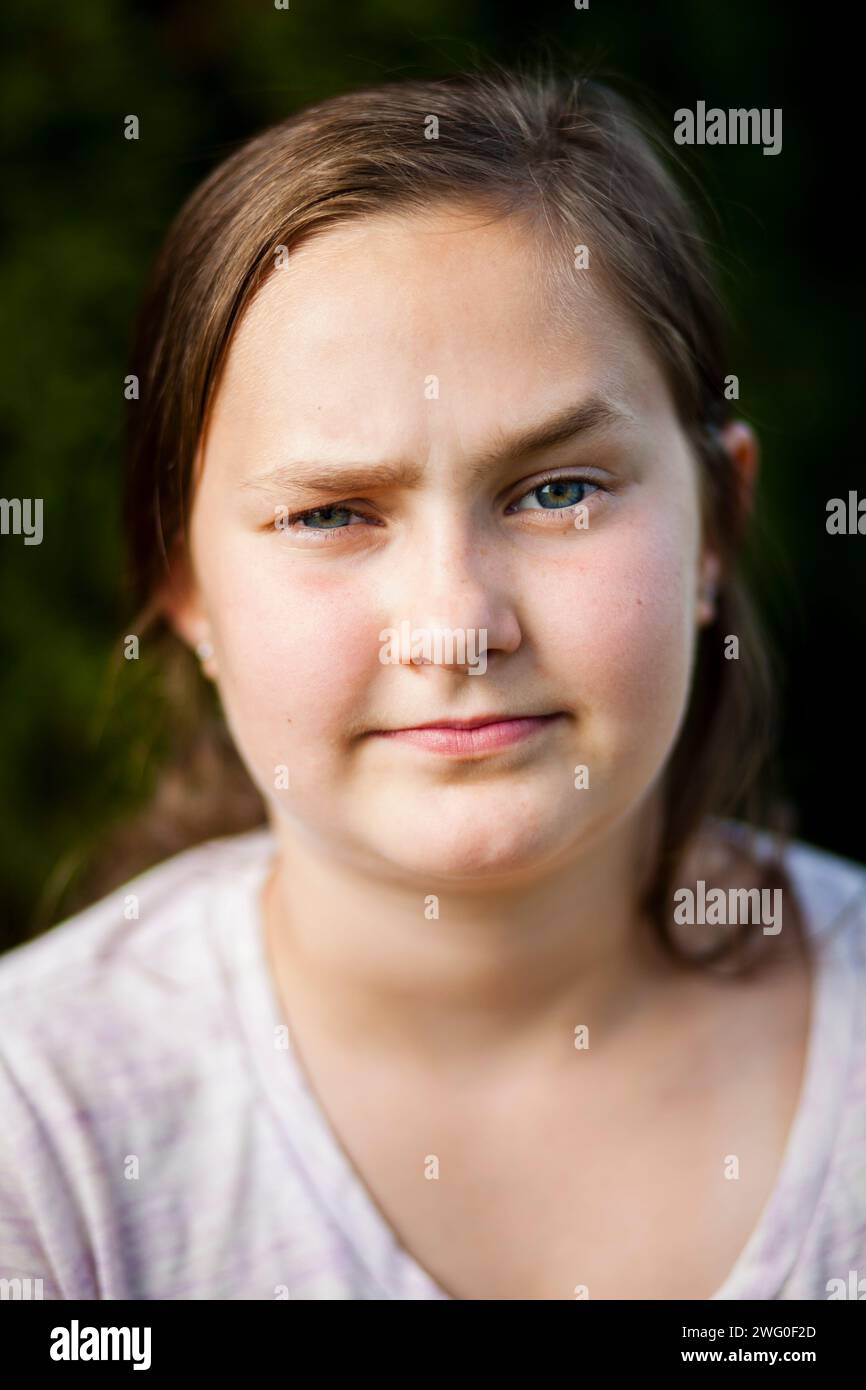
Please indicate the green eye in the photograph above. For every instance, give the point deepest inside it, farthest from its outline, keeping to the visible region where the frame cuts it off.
(327, 514)
(562, 493)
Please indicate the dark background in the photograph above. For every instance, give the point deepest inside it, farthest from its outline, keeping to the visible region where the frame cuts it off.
(84, 211)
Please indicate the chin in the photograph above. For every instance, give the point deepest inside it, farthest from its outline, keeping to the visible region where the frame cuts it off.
(480, 842)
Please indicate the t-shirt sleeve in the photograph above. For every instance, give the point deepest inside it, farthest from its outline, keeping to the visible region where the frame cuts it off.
(42, 1255)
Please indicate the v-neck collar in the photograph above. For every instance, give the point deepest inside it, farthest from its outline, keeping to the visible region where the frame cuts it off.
(769, 1254)
(302, 1120)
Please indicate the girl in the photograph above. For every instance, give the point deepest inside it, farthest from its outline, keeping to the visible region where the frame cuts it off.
(500, 1001)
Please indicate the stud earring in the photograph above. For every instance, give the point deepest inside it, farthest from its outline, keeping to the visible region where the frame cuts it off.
(708, 603)
(204, 650)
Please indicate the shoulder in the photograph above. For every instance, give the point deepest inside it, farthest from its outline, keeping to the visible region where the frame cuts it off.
(819, 1212)
(113, 1030)
(145, 923)
(833, 887)
(833, 893)
(830, 888)
(124, 984)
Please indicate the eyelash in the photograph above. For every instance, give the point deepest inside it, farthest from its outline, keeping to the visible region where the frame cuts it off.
(289, 521)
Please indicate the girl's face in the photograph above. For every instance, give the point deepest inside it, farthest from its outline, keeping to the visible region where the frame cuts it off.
(390, 376)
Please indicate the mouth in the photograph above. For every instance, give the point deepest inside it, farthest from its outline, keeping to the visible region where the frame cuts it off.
(467, 736)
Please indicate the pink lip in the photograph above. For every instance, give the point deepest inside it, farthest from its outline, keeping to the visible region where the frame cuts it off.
(480, 738)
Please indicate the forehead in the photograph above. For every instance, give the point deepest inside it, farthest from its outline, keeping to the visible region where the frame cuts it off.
(371, 322)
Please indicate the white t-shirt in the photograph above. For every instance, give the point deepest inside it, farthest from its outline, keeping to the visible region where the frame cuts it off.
(159, 1140)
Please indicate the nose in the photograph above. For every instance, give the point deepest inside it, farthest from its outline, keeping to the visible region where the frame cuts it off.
(451, 597)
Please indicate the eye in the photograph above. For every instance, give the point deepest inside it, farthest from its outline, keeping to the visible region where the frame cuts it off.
(327, 522)
(555, 494)
(327, 516)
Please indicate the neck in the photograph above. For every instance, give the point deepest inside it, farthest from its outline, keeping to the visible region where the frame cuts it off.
(473, 970)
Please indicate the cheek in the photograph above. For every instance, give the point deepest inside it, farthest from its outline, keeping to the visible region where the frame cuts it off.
(293, 643)
(620, 636)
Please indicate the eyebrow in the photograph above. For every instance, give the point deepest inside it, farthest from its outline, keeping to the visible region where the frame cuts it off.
(307, 477)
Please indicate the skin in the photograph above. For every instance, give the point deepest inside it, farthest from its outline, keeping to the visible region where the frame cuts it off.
(535, 878)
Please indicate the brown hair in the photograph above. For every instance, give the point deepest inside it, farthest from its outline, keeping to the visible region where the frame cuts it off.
(572, 157)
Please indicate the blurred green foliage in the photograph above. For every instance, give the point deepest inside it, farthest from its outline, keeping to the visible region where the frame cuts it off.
(84, 210)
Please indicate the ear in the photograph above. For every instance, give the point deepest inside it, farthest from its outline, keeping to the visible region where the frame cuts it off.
(741, 445)
(184, 611)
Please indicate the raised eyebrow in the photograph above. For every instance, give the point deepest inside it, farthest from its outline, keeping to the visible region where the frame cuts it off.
(315, 478)
(305, 477)
(594, 414)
